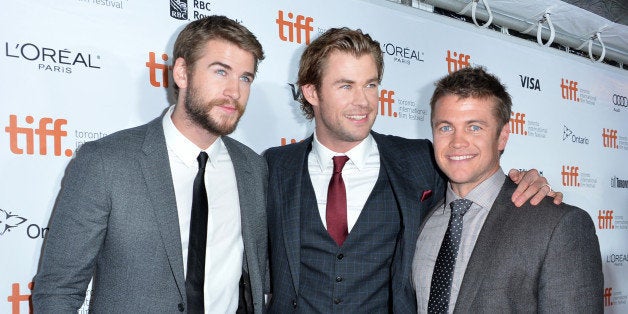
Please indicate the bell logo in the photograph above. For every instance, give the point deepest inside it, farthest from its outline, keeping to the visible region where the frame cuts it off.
(517, 124)
(570, 176)
(569, 89)
(153, 67)
(386, 101)
(609, 138)
(302, 27)
(608, 293)
(457, 62)
(42, 132)
(16, 298)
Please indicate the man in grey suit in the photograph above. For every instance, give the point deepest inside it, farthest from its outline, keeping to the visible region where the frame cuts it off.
(490, 256)
(353, 256)
(123, 216)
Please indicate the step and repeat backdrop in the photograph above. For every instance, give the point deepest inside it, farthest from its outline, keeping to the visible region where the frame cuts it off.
(74, 71)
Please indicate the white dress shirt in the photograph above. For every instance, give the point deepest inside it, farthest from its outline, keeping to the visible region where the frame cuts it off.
(359, 174)
(224, 253)
(483, 196)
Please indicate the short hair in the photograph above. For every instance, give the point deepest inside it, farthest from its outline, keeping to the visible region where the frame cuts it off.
(475, 82)
(190, 42)
(316, 55)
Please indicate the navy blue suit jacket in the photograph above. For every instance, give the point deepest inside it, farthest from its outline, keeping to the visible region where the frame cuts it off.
(412, 174)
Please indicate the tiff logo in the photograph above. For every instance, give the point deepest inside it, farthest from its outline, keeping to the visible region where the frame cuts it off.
(153, 67)
(608, 293)
(42, 132)
(570, 176)
(302, 27)
(457, 62)
(518, 123)
(386, 101)
(609, 138)
(605, 219)
(16, 298)
(569, 89)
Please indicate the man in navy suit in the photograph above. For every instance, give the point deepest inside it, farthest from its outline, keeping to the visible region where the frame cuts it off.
(357, 259)
(543, 259)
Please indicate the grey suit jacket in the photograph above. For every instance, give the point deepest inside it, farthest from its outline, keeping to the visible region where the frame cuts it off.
(116, 219)
(533, 259)
(417, 186)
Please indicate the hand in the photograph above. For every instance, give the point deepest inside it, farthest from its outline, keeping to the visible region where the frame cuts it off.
(533, 187)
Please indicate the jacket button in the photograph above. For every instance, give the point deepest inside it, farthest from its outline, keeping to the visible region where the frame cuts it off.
(181, 307)
(294, 304)
(337, 301)
(338, 279)
(340, 256)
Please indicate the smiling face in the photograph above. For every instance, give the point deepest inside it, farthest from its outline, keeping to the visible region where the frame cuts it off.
(467, 140)
(215, 90)
(345, 104)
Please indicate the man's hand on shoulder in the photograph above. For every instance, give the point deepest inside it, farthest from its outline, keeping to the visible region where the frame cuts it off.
(532, 186)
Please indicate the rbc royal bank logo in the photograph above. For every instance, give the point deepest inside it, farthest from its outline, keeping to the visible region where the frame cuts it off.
(179, 9)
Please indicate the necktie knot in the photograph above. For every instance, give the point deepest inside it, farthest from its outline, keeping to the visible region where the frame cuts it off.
(339, 163)
(460, 206)
(202, 161)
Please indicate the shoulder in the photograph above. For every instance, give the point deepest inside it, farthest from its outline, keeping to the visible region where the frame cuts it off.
(402, 144)
(287, 153)
(238, 149)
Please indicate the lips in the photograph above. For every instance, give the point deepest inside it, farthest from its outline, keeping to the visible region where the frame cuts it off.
(356, 117)
(461, 157)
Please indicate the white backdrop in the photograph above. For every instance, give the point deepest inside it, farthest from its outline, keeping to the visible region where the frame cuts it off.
(76, 70)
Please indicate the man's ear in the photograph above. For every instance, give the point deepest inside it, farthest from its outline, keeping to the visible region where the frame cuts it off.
(503, 137)
(310, 94)
(180, 73)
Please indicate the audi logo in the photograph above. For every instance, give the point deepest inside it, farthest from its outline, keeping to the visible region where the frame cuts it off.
(620, 100)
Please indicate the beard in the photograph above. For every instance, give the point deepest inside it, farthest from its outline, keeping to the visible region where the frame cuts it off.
(199, 112)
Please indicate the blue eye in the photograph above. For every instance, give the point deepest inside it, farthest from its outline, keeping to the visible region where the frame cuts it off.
(446, 128)
(475, 128)
(221, 72)
(246, 79)
(371, 85)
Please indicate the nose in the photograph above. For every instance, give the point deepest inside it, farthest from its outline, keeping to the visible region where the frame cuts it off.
(360, 97)
(232, 88)
(459, 139)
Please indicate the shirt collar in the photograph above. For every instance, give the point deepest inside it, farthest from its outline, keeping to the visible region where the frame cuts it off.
(183, 148)
(484, 194)
(357, 155)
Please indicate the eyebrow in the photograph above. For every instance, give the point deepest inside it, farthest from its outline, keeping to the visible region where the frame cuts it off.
(228, 67)
(348, 81)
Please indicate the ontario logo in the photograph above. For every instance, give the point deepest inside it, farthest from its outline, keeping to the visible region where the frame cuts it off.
(568, 135)
(51, 59)
(9, 221)
(402, 54)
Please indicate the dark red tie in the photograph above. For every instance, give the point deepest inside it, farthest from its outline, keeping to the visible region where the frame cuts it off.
(336, 215)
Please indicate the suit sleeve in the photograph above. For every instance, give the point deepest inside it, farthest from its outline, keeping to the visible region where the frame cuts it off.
(77, 228)
(571, 278)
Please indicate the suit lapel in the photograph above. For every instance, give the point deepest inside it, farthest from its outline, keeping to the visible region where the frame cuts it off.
(407, 191)
(484, 249)
(291, 185)
(243, 173)
(157, 176)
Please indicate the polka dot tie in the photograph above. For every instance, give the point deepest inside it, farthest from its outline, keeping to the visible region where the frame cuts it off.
(440, 289)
